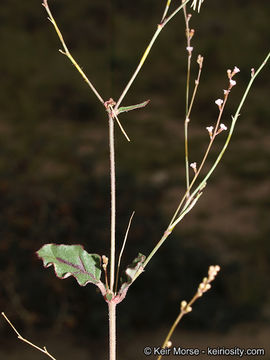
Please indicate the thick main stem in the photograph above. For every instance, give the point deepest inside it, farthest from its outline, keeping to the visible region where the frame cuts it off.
(113, 206)
(112, 330)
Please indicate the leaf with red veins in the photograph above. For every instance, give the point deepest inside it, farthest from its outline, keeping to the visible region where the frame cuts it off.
(73, 260)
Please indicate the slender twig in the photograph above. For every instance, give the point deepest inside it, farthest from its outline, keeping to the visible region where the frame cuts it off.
(186, 195)
(194, 4)
(197, 192)
(20, 337)
(67, 53)
(233, 123)
(170, 229)
(122, 250)
(189, 50)
(169, 18)
(166, 10)
(113, 201)
(187, 307)
(197, 81)
(146, 53)
(188, 37)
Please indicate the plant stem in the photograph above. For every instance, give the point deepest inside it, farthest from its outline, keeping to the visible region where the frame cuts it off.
(112, 330)
(159, 28)
(170, 229)
(166, 10)
(197, 192)
(121, 252)
(146, 53)
(234, 119)
(187, 193)
(68, 54)
(20, 337)
(186, 307)
(113, 202)
(188, 36)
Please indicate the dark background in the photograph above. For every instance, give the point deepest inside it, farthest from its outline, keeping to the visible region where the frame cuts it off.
(54, 178)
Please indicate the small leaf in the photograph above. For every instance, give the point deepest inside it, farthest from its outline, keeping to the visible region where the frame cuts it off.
(132, 107)
(130, 272)
(72, 260)
(109, 296)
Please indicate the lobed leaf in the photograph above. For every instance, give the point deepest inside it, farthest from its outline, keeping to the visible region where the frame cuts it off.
(72, 260)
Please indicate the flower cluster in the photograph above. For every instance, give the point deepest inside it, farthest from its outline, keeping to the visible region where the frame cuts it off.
(185, 307)
(221, 102)
(205, 284)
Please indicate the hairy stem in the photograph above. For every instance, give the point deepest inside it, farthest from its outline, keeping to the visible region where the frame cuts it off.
(112, 330)
(113, 201)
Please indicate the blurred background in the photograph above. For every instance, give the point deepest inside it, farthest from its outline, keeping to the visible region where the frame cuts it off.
(54, 178)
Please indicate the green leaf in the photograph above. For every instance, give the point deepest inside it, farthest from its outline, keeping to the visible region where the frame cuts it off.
(109, 296)
(132, 107)
(72, 260)
(130, 273)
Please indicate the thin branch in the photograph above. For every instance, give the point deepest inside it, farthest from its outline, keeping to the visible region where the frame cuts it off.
(67, 53)
(187, 307)
(20, 337)
(146, 53)
(198, 191)
(234, 120)
(166, 10)
(194, 4)
(197, 81)
(189, 50)
(186, 195)
(122, 250)
(169, 18)
(169, 230)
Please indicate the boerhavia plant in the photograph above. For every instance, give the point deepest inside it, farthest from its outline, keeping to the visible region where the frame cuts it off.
(102, 270)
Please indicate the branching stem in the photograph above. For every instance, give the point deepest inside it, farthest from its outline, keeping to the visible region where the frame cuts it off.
(197, 192)
(67, 53)
(20, 337)
(234, 120)
(146, 53)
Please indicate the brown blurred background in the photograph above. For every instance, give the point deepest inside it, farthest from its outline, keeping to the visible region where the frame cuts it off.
(54, 184)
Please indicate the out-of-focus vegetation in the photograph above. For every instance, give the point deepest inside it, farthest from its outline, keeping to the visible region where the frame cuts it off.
(54, 184)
